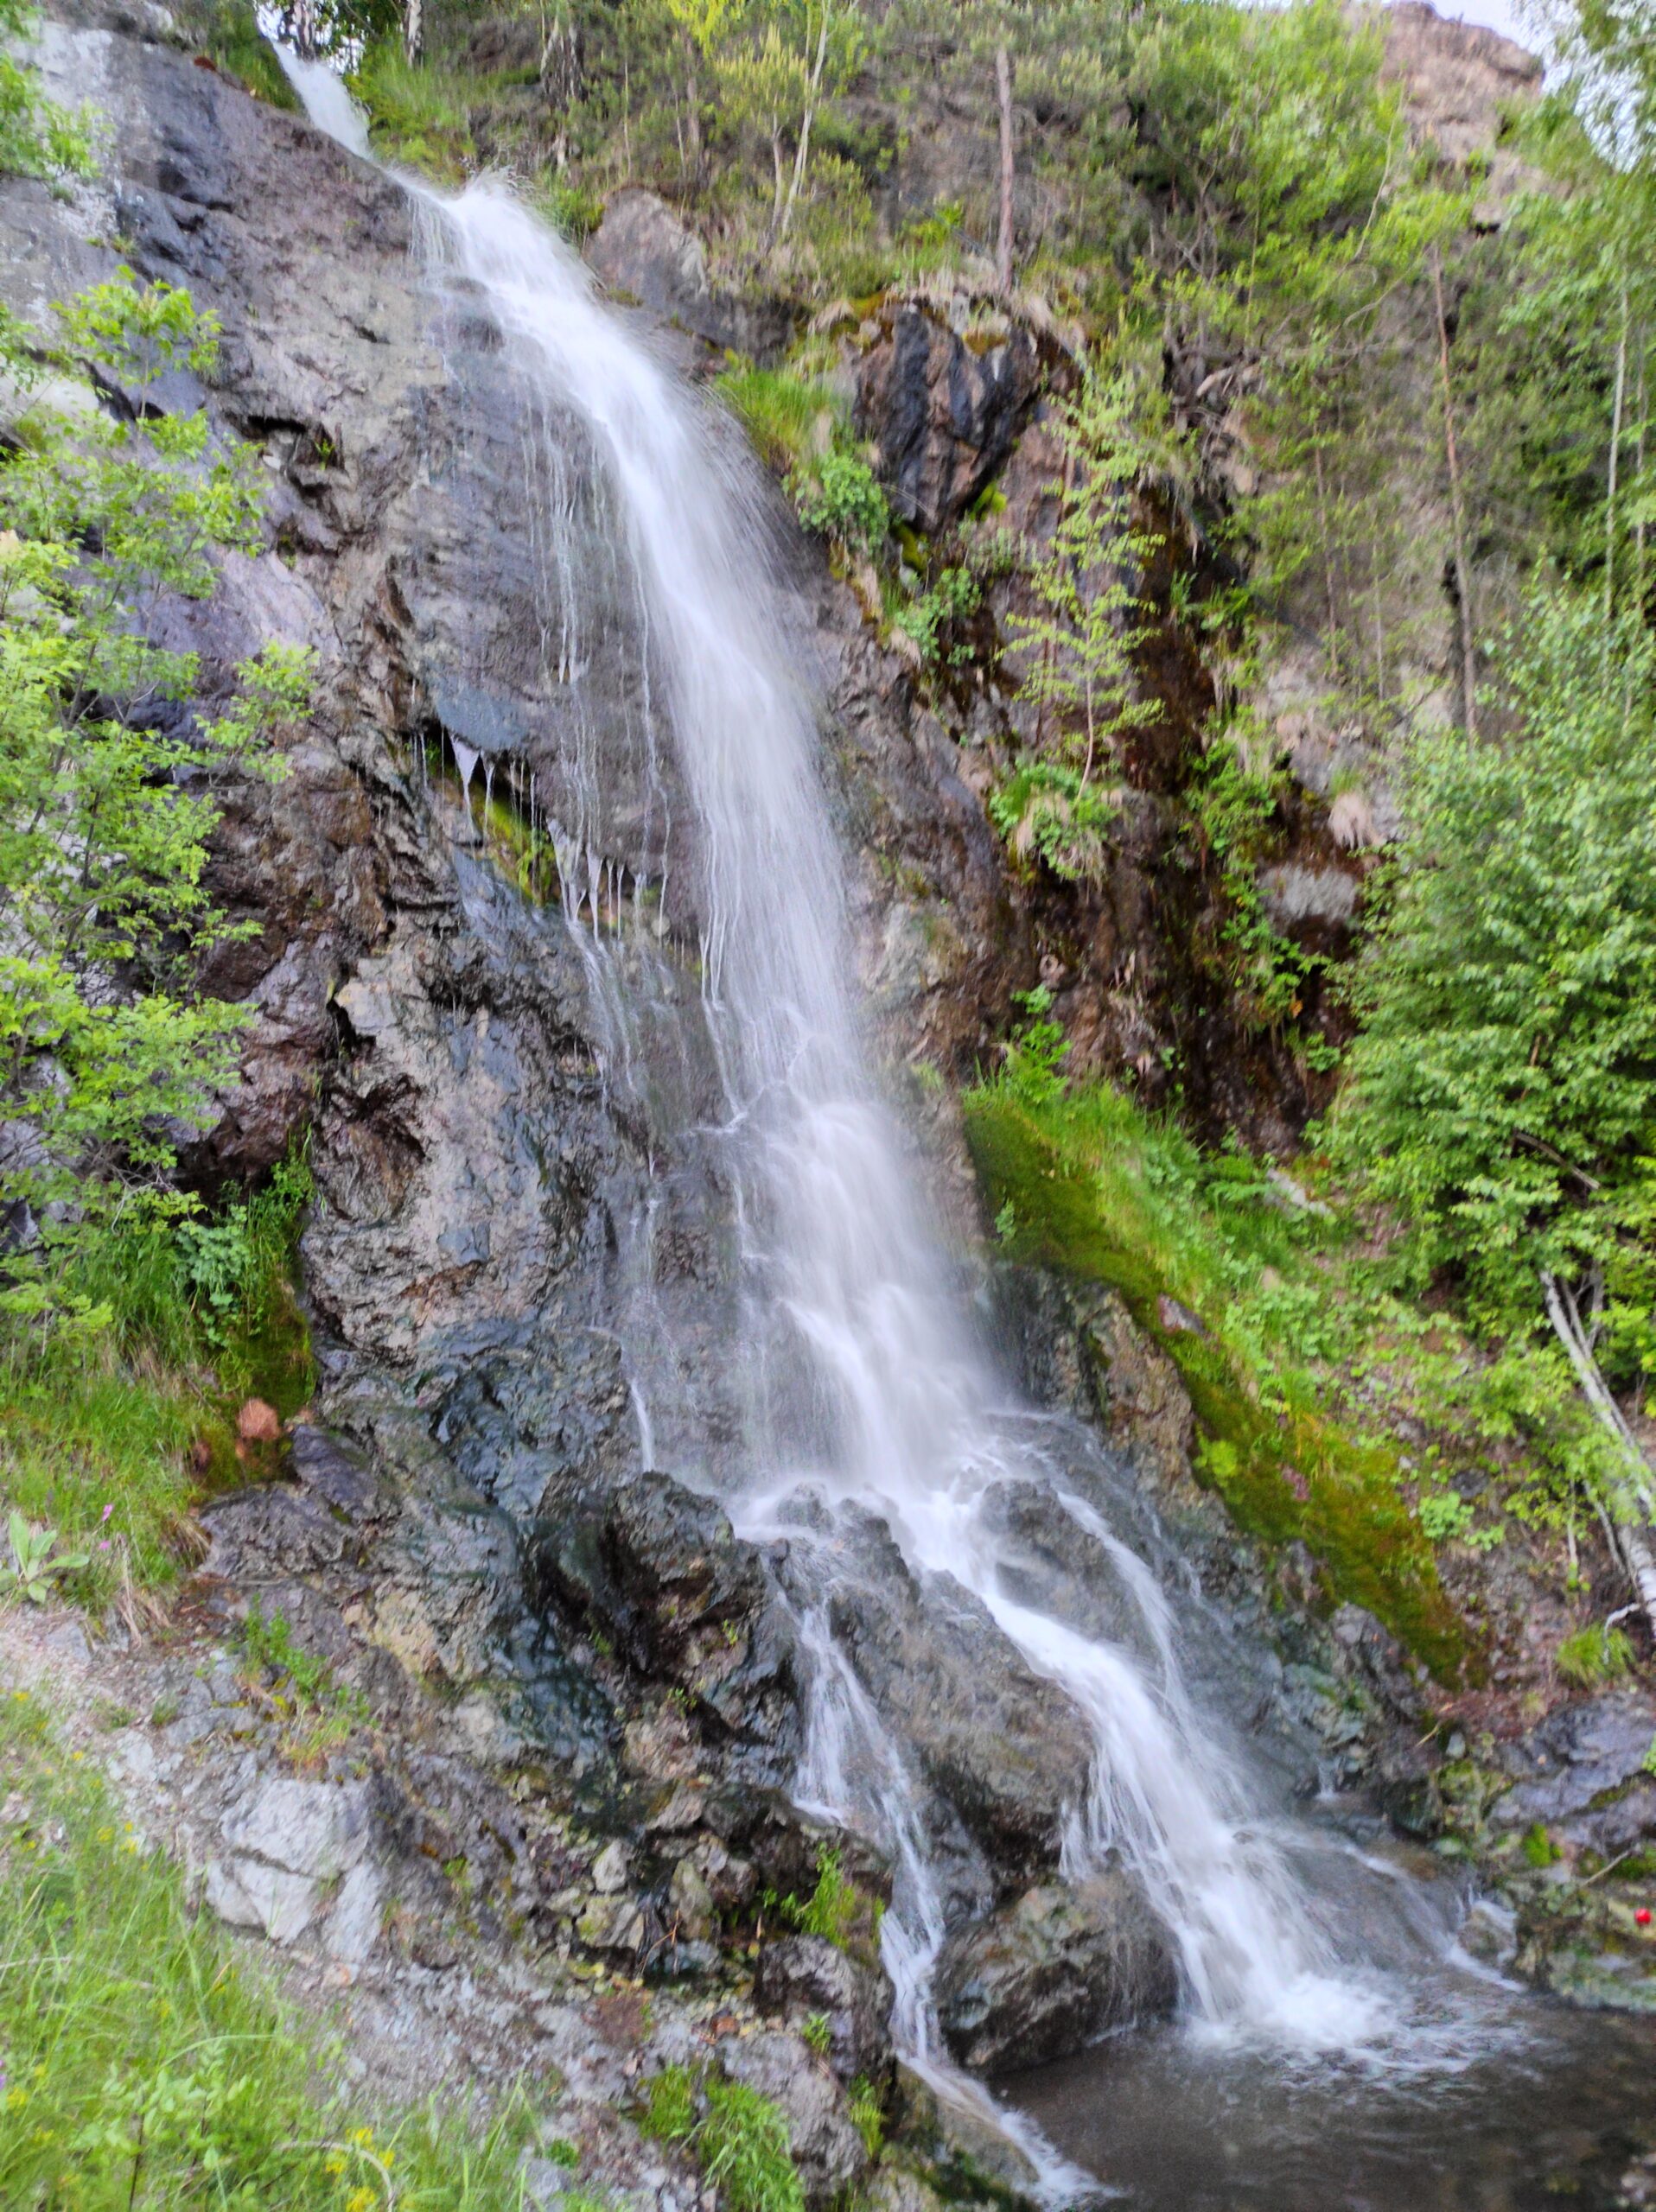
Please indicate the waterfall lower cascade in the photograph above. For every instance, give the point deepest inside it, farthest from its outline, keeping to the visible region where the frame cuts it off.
(867, 1401)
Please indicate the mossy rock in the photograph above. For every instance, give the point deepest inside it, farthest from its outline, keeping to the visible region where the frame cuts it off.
(1286, 1477)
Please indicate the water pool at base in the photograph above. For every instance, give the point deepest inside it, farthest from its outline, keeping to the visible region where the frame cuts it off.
(1543, 2109)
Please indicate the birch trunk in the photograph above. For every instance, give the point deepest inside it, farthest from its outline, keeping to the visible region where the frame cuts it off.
(1004, 88)
(1631, 1510)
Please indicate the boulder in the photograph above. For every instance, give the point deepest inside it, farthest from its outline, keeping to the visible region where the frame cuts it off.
(319, 1829)
(1581, 1776)
(1051, 1973)
(642, 248)
(658, 1569)
(248, 1894)
(942, 416)
(804, 1977)
(1004, 1746)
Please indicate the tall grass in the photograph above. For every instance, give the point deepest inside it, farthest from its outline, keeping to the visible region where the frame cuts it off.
(144, 2070)
(790, 419)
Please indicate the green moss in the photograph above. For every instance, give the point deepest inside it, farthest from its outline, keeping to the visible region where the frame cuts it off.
(1054, 1179)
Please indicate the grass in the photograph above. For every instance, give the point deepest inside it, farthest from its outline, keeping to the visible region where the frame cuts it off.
(111, 1430)
(1595, 1656)
(738, 2137)
(417, 115)
(1081, 1180)
(146, 2070)
(791, 419)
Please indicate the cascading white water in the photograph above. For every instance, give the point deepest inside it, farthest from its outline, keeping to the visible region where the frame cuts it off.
(868, 1386)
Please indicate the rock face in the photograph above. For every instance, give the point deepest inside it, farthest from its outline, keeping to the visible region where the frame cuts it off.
(805, 1977)
(642, 250)
(1051, 1973)
(942, 415)
(657, 1567)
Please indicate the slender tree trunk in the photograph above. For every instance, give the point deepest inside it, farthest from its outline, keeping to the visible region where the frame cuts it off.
(1640, 455)
(1630, 1512)
(414, 30)
(1004, 88)
(776, 182)
(1462, 574)
(813, 91)
(693, 123)
(1616, 408)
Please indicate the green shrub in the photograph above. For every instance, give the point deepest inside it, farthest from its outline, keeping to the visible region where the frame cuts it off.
(954, 597)
(842, 499)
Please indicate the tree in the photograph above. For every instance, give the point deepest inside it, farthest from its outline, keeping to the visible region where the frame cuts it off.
(1503, 1091)
(107, 1047)
(1086, 618)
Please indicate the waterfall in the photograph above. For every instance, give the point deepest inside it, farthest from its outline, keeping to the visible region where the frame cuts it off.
(867, 1396)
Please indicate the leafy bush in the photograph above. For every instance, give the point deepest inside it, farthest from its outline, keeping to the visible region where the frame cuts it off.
(1047, 810)
(842, 499)
(953, 597)
(105, 793)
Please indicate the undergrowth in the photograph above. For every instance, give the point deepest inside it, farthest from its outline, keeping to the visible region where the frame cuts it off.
(142, 2069)
(1239, 1281)
(738, 2137)
(112, 1424)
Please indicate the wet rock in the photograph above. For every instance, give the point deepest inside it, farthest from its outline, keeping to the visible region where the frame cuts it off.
(336, 1471)
(687, 1601)
(1048, 1975)
(1003, 1746)
(1581, 1776)
(804, 1976)
(941, 416)
(271, 1529)
(829, 2153)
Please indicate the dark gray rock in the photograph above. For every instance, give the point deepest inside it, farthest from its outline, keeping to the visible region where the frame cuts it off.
(942, 416)
(1002, 1745)
(658, 1568)
(1581, 1775)
(642, 249)
(1050, 1974)
(802, 1977)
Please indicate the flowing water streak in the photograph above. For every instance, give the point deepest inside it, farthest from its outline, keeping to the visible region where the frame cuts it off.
(869, 1384)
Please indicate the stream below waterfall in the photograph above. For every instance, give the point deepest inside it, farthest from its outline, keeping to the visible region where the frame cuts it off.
(1331, 2048)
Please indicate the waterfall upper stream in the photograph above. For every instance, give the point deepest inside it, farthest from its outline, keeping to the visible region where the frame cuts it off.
(937, 1542)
